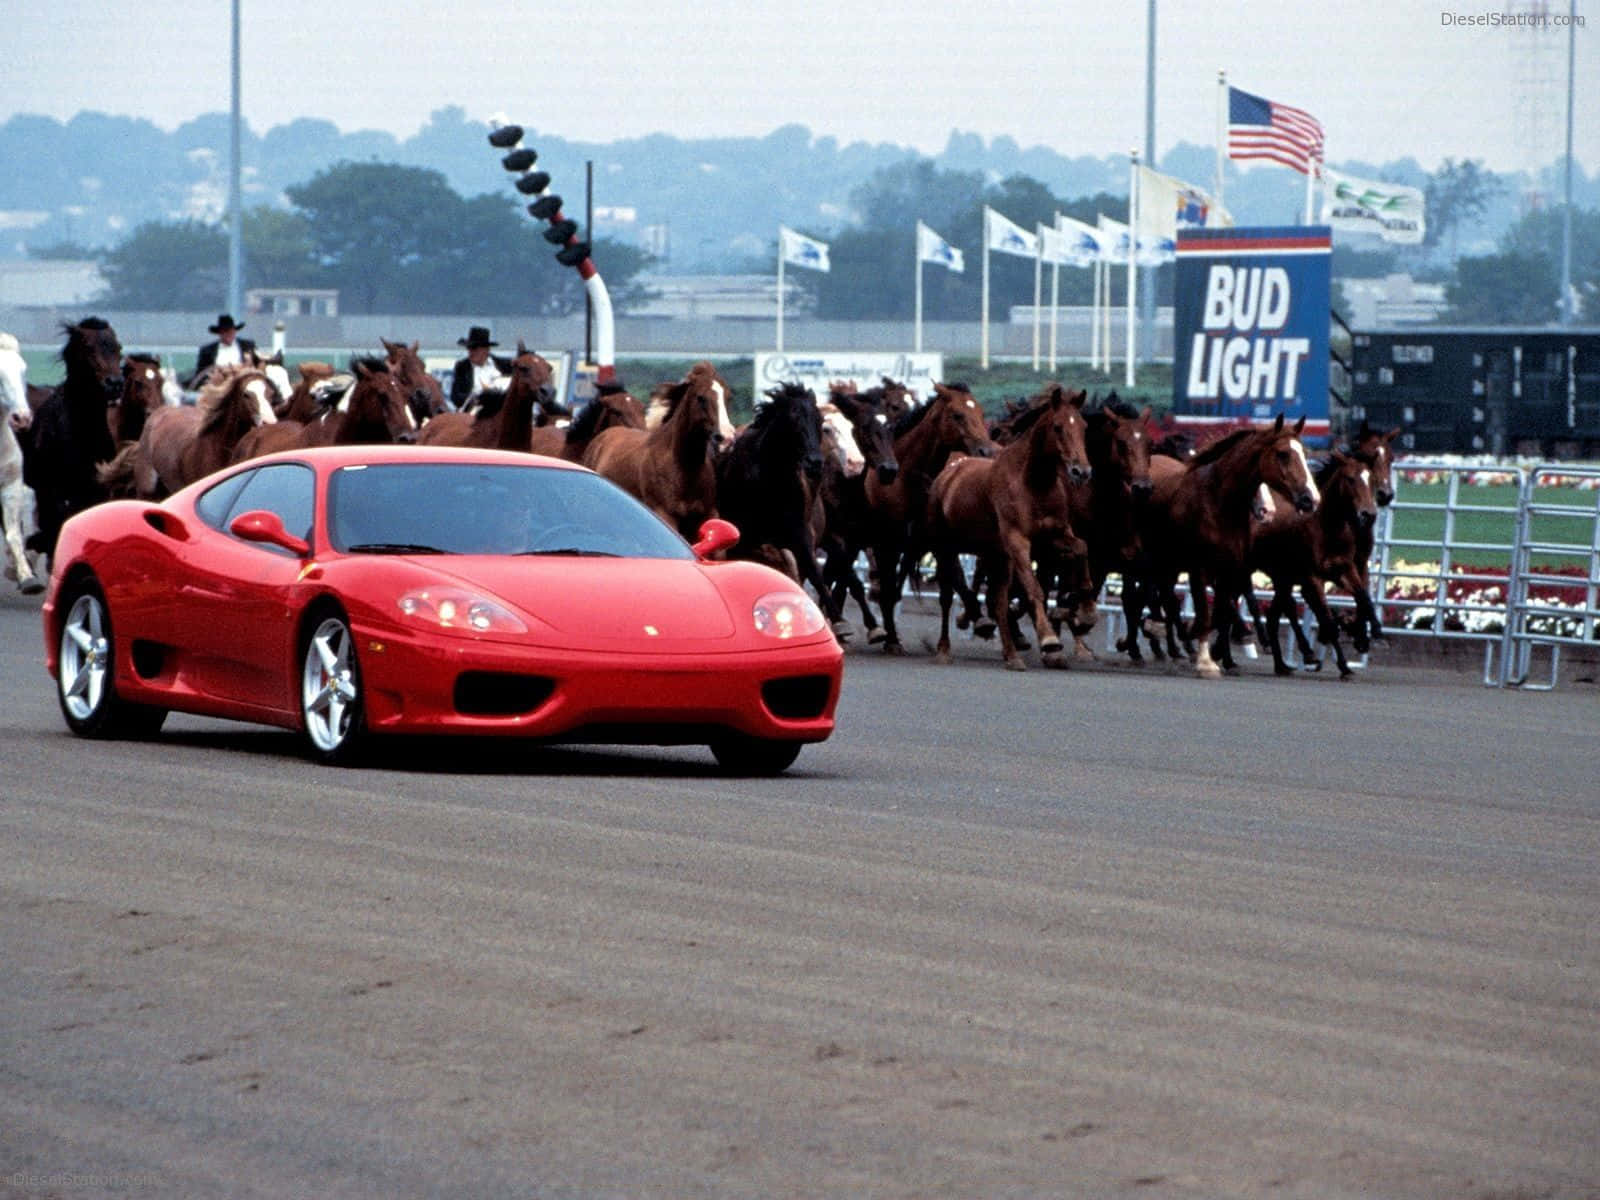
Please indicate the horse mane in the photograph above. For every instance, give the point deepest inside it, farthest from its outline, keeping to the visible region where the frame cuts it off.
(1221, 446)
(911, 419)
(143, 358)
(1029, 417)
(217, 391)
(372, 362)
(8, 341)
(582, 426)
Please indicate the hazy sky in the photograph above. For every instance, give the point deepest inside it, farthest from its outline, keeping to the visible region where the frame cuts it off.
(1386, 79)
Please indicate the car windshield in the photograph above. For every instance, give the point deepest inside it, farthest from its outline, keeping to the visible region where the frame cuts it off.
(459, 508)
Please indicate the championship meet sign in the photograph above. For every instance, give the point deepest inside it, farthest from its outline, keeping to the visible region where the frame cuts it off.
(1251, 325)
(817, 369)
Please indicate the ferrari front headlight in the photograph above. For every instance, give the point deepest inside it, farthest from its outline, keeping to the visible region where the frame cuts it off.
(787, 614)
(460, 610)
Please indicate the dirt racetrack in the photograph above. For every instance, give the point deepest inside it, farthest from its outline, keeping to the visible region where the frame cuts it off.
(1087, 933)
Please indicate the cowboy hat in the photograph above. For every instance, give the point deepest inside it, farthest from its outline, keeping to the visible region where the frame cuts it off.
(476, 336)
(225, 321)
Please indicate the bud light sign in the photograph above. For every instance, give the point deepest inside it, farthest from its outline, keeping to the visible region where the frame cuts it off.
(1251, 325)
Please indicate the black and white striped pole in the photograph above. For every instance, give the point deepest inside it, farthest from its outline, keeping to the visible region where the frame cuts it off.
(559, 231)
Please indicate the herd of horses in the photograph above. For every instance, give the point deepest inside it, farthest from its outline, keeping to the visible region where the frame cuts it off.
(1043, 503)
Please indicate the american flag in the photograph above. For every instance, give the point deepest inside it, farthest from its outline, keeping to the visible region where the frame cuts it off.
(1259, 128)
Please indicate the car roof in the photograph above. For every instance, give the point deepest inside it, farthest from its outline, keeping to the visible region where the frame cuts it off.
(331, 458)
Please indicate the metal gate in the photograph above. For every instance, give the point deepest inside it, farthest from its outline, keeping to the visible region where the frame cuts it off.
(1555, 580)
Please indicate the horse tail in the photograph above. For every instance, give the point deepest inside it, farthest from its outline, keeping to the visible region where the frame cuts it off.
(116, 474)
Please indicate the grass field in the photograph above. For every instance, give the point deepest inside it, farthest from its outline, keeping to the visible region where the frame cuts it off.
(1486, 517)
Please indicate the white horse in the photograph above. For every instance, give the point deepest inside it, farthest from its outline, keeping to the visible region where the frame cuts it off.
(16, 498)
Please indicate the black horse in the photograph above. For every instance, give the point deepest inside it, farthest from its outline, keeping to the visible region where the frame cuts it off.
(766, 485)
(70, 435)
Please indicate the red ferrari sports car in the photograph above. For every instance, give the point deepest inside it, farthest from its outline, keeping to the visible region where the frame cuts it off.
(365, 590)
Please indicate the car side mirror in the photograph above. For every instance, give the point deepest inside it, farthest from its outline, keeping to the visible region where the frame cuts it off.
(259, 525)
(715, 535)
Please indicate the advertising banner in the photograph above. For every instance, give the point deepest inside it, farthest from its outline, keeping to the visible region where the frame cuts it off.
(819, 368)
(1251, 315)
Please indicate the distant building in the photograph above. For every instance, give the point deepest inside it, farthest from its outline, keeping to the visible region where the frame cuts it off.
(1393, 300)
(50, 283)
(292, 302)
(738, 297)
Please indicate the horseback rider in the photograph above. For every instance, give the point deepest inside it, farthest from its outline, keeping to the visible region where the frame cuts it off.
(478, 370)
(229, 349)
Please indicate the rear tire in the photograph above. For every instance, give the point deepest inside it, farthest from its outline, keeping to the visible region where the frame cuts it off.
(86, 685)
(331, 716)
(741, 755)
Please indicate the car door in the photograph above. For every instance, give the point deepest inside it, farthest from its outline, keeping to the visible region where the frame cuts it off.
(236, 599)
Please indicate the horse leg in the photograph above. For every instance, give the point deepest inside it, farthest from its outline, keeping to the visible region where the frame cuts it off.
(1282, 604)
(888, 560)
(946, 566)
(844, 580)
(16, 503)
(1204, 666)
(1020, 551)
(1327, 627)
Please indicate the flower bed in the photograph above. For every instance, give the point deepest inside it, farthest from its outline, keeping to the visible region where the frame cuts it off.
(1473, 602)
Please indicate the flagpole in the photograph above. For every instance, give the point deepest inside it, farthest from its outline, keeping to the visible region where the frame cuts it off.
(1105, 317)
(917, 338)
(1222, 131)
(1055, 302)
(1094, 318)
(983, 325)
(780, 290)
(1038, 275)
(1311, 178)
(1133, 243)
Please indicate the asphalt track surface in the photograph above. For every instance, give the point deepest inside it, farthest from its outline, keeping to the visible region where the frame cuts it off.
(1092, 933)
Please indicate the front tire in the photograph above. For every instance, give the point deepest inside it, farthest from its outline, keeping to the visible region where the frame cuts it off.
(86, 683)
(330, 691)
(741, 755)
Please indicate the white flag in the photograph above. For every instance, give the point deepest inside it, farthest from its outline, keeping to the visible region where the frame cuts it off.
(1007, 237)
(1389, 210)
(1080, 245)
(802, 251)
(1113, 240)
(1167, 205)
(933, 248)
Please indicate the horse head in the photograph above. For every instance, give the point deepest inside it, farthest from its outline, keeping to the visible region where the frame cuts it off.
(376, 408)
(423, 392)
(93, 358)
(235, 400)
(788, 429)
(1068, 430)
(895, 399)
(13, 382)
(697, 407)
(1373, 449)
(142, 394)
(1119, 448)
(1282, 464)
(1349, 489)
(959, 422)
(873, 430)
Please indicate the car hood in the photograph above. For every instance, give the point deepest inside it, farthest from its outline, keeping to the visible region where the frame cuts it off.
(659, 601)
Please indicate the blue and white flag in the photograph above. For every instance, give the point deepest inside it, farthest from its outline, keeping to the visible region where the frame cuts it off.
(802, 251)
(1007, 237)
(1113, 240)
(933, 248)
(1073, 243)
(1167, 205)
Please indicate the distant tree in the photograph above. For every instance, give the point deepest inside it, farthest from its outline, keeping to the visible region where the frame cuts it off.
(1511, 288)
(278, 249)
(1456, 195)
(167, 266)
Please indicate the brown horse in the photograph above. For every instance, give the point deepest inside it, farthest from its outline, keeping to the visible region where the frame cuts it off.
(182, 444)
(1003, 509)
(372, 411)
(669, 468)
(612, 407)
(1106, 510)
(1375, 451)
(1200, 519)
(1306, 550)
(303, 404)
(845, 528)
(951, 423)
(506, 424)
(423, 392)
(141, 396)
